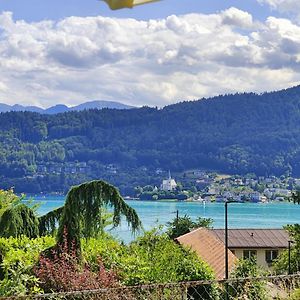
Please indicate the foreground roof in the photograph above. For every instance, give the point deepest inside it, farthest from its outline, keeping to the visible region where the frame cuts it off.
(210, 248)
(254, 238)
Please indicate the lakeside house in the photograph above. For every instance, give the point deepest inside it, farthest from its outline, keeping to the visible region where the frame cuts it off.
(263, 244)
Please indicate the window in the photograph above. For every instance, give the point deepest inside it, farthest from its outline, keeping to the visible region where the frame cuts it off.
(248, 254)
(271, 255)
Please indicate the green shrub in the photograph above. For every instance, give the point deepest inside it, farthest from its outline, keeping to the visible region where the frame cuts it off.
(295, 295)
(18, 257)
(282, 262)
(64, 272)
(255, 290)
(106, 247)
(152, 258)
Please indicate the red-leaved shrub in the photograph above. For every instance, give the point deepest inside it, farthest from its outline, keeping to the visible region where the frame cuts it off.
(63, 273)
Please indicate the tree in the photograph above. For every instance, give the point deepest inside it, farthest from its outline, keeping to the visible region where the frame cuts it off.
(16, 218)
(281, 265)
(19, 220)
(182, 225)
(82, 216)
(82, 210)
(296, 197)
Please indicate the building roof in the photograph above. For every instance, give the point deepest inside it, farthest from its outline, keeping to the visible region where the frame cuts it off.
(254, 238)
(210, 248)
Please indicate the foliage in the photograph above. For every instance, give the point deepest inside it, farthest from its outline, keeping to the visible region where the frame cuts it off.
(156, 258)
(48, 222)
(8, 200)
(63, 273)
(255, 290)
(19, 255)
(152, 258)
(20, 282)
(185, 224)
(212, 134)
(296, 197)
(295, 295)
(105, 246)
(281, 264)
(16, 218)
(19, 220)
(150, 192)
(83, 208)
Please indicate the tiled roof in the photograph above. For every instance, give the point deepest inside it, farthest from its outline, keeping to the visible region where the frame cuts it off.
(254, 238)
(209, 248)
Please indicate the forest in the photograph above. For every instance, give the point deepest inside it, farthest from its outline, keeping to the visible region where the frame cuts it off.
(235, 134)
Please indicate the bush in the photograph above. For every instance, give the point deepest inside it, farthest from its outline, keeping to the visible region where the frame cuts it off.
(18, 257)
(152, 258)
(282, 262)
(63, 272)
(295, 295)
(254, 290)
(105, 246)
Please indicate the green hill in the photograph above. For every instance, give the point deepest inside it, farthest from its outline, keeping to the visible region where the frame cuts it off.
(231, 133)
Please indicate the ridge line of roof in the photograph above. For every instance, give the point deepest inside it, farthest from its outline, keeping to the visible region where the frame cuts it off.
(247, 229)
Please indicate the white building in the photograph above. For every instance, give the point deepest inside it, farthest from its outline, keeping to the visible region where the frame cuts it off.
(169, 184)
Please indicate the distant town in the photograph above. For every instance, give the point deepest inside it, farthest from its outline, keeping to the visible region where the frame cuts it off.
(190, 185)
(197, 185)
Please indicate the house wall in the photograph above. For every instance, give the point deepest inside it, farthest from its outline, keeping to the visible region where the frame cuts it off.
(261, 255)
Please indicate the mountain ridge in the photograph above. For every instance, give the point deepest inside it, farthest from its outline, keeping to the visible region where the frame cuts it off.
(61, 108)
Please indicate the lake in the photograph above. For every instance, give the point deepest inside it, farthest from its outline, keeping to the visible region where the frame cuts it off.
(240, 215)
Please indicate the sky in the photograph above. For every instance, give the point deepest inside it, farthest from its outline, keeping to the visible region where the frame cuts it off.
(74, 51)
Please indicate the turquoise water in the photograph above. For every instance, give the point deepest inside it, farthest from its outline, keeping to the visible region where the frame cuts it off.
(240, 215)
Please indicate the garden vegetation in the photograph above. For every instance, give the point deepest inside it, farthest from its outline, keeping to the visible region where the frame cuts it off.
(77, 254)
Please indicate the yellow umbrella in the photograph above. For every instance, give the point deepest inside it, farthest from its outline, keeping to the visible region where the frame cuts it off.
(117, 4)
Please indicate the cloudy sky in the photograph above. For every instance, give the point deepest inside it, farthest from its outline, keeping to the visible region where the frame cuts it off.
(72, 51)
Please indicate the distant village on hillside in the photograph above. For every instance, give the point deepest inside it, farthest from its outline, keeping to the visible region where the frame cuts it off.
(191, 185)
(203, 186)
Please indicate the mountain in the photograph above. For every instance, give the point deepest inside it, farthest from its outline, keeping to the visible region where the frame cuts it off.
(99, 104)
(56, 109)
(235, 134)
(61, 108)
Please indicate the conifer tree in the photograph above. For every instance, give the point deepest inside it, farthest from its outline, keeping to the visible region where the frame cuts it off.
(19, 220)
(82, 212)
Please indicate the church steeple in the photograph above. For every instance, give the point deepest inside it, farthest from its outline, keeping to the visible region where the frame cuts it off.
(170, 175)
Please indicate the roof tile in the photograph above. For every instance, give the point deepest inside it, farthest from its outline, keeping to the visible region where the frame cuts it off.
(211, 249)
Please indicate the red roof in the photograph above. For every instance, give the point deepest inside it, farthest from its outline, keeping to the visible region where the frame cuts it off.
(210, 248)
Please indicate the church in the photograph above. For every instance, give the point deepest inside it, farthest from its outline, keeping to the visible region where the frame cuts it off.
(169, 184)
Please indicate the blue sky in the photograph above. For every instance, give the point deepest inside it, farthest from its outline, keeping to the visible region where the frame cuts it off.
(36, 10)
(156, 54)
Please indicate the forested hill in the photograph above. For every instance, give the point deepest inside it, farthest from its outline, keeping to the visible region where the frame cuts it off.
(233, 133)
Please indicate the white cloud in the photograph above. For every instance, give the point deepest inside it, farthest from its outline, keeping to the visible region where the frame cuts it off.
(282, 5)
(237, 17)
(155, 62)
